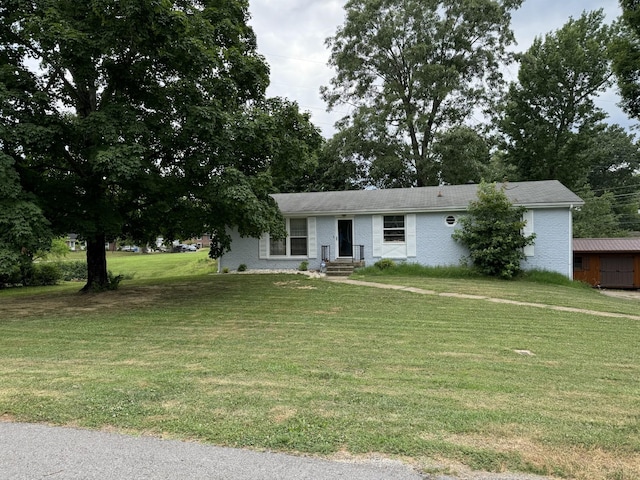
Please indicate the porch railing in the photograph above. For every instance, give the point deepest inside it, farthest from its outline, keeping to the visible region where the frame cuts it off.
(357, 253)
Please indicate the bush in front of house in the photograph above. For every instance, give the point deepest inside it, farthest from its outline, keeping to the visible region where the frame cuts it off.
(384, 264)
(242, 267)
(492, 231)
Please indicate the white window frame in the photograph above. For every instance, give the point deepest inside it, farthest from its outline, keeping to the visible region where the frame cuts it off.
(265, 241)
(388, 229)
(398, 250)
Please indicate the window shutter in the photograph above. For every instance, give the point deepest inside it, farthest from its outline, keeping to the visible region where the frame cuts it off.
(312, 238)
(529, 250)
(378, 224)
(264, 246)
(411, 235)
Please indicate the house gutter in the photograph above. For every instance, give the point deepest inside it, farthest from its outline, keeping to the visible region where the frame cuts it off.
(315, 213)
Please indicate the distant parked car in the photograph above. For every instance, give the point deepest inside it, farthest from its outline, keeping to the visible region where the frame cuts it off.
(185, 248)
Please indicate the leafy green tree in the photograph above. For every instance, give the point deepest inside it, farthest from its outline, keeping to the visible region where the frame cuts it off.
(284, 140)
(56, 250)
(463, 156)
(333, 172)
(23, 228)
(492, 230)
(596, 218)
(615, 160)
(550, 118)
(132, 122)
(412, 69)
(625, 52)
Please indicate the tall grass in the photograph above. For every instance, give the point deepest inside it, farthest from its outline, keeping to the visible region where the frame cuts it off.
(461, 272)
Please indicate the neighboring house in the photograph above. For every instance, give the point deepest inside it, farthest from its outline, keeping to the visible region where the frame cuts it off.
(203, 241)
(404, 224)
(607, 262)
(71, 241)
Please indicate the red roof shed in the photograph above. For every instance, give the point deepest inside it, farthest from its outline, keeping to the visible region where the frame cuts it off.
(607, 262)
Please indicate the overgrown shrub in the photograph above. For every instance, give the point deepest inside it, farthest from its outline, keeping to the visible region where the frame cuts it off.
(73, 271)
(114, 280)
(492, 231)
(44, 274)
(10, 277)
(384, 264)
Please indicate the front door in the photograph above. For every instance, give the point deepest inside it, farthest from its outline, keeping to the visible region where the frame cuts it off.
(345, 238)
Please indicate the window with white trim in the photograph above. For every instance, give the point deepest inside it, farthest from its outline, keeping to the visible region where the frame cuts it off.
(298, 236)
(297, 241)
(393, 229)
(277, 246)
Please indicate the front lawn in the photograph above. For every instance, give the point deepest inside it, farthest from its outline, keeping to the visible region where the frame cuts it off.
(288, 363)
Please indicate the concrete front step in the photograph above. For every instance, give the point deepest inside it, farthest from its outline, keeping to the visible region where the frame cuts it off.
(341, 268)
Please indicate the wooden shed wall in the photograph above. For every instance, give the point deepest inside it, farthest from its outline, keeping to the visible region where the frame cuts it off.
(588, 268)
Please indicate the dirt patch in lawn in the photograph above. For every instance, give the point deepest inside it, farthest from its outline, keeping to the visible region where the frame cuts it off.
(78, 304)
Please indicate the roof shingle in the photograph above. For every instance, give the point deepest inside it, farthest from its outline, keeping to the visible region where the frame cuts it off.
(550, 193)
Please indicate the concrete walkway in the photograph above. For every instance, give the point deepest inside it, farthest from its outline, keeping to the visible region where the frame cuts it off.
(422, 291)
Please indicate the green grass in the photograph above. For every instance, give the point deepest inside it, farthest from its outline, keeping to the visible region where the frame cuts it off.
(155, 265)
(288, 363)
(534, 287)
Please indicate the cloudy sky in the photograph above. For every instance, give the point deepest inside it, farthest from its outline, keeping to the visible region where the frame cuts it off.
(291, 36)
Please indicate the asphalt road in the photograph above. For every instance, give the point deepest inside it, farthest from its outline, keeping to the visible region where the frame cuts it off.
(34, 452)
(41, 452)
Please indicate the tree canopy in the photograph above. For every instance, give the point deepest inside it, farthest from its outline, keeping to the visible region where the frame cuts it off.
(626, 57)
(411, 69)
(550, 118)
(136, 118)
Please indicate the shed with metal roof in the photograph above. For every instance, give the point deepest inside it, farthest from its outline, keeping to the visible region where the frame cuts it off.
(607, 262)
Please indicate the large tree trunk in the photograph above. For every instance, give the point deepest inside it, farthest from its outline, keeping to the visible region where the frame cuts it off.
(97, 277)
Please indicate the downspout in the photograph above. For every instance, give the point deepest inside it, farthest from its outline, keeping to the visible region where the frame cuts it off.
(571, 208)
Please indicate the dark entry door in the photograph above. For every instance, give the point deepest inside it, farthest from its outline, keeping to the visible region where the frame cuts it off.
(345, 238)
(616, 272)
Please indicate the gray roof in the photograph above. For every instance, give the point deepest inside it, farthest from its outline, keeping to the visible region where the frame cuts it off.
(548, 193)
(609, 245)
